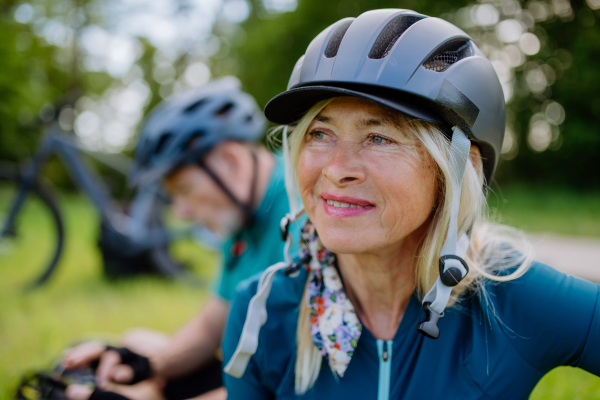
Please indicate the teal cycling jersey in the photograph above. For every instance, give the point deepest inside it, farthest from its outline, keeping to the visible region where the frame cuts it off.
(259, 245)
(492, 346)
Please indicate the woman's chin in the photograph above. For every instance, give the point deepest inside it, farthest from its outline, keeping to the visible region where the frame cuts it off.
(342, 241)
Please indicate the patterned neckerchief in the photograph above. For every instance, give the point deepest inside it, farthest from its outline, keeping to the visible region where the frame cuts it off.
(335, 327)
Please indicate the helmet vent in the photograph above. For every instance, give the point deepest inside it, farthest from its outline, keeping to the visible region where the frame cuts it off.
(192, 140)
(447, 55)
(162, 142)
(195, 105)
(224, 109)
(335, 41)
(390, 35)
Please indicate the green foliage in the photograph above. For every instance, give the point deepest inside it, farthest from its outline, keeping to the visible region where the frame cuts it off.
(28, 80)
(575, 161)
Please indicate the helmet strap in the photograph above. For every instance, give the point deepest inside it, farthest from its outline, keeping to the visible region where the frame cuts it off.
(453, 268)
(248, 207)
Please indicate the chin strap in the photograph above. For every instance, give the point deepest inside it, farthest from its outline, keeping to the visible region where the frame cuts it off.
(452, 265)
(257, 309)
(247, 208)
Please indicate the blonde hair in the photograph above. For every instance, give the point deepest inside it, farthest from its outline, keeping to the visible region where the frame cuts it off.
(492, 247)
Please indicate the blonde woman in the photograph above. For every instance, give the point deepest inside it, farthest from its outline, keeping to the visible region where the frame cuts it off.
(402, 289)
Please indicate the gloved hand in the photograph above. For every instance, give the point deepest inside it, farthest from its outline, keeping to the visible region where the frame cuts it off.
(98, 394)
(138, 363)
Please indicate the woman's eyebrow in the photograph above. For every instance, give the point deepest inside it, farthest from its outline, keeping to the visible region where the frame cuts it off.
(323, 118)
(370, 122)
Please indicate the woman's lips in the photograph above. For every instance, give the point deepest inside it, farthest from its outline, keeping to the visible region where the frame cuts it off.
(344, 206)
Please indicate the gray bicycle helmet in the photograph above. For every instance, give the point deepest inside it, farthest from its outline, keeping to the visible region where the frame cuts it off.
(186, 127)
(421, 66)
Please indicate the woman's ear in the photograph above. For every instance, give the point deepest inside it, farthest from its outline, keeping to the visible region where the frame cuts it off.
(475, 156)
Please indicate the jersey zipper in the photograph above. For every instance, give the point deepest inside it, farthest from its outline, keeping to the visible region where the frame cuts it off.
(384, 350)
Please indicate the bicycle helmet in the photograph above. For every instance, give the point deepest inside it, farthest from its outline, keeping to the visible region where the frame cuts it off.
(187, 126)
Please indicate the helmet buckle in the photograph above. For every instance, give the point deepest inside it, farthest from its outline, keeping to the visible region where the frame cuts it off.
(451, 275)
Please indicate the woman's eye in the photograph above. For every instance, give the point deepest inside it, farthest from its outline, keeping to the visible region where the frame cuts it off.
(379, 139)
(317, 135)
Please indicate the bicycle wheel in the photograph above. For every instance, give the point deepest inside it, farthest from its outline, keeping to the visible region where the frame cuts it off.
(33, 246)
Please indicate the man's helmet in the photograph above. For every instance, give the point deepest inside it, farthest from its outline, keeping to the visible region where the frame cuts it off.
(187, 126)
(423, 67)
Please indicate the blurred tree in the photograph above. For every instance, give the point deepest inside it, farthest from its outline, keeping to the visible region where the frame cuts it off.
(31, 80)
(545, 52)
(570, 60)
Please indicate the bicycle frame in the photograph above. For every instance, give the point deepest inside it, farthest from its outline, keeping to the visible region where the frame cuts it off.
(135, 226)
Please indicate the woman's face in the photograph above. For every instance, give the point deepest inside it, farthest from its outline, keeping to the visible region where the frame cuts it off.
(367, 186)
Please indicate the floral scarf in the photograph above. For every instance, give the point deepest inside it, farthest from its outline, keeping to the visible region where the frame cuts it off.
(335, 328)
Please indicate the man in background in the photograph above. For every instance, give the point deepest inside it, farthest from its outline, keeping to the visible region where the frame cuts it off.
(204, 146)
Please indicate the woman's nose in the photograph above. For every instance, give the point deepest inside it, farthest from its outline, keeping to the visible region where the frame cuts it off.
(344, 167)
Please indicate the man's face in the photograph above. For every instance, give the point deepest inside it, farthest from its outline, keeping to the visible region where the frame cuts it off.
(196, 197)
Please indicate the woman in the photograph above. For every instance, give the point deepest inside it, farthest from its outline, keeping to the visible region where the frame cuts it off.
(398, 121)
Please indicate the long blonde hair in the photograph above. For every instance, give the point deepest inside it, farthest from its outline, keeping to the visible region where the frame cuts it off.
(492, 247)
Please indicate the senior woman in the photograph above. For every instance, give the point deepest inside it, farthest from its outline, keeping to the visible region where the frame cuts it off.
(402, 288)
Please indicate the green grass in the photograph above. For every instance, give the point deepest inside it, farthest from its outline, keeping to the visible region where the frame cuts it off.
(78, 303)
(546, 209)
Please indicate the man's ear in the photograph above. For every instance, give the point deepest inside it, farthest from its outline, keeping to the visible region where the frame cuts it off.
(229, 156)
(475, 156)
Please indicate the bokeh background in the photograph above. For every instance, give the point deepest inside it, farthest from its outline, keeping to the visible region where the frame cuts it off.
(101, 65)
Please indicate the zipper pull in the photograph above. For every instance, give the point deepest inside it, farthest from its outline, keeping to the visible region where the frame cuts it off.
(384, 354)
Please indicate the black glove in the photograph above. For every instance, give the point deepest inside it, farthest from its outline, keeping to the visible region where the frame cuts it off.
(140, 364)
(98, 394)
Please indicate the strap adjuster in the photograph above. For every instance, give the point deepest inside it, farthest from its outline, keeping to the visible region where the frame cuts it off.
(452, 275)
(429, 327)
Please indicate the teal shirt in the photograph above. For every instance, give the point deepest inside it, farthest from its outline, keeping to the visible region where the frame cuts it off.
(261, 245)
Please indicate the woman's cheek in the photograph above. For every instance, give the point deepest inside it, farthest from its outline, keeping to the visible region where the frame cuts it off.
(309, 171)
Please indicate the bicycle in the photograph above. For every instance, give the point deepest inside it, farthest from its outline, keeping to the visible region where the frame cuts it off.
(133, 240)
